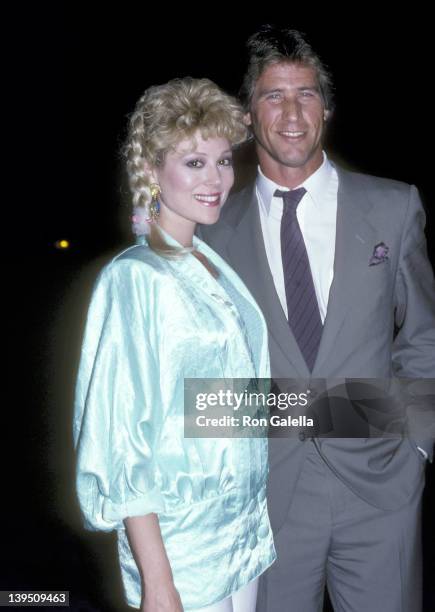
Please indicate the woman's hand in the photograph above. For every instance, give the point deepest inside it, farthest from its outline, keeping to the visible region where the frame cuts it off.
(161, 597)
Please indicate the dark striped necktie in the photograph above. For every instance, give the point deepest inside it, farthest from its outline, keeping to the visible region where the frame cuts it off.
(303, 309)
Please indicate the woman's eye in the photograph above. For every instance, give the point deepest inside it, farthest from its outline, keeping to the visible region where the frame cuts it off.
(227, 161)
(195, 163)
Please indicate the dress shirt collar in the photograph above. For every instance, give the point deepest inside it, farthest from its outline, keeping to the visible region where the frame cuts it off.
(316, 185)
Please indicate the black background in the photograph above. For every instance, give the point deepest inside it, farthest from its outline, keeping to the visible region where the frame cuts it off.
(75, 74)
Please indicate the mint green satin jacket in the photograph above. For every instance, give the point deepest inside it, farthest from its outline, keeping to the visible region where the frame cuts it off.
(151, 323)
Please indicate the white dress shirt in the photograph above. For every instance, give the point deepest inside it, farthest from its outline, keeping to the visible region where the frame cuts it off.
(316, 213)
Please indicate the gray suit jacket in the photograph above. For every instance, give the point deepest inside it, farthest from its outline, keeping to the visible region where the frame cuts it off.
(380, 323)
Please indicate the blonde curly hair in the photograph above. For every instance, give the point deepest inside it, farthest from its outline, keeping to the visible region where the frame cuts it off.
(164, 116)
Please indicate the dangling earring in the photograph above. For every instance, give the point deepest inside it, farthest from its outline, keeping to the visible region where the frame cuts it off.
(154, 206)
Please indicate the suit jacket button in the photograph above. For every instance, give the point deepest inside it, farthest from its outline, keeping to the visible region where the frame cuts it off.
(302, 436)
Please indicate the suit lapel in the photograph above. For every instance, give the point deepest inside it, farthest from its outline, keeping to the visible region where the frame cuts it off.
(248, 257)
(354, 237)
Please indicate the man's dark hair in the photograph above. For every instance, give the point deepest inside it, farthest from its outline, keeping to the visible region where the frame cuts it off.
(272, 45)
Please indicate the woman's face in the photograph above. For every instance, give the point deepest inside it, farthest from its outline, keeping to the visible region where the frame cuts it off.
(195, 180)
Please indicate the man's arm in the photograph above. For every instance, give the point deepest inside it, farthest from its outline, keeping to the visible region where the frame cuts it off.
(414, 344)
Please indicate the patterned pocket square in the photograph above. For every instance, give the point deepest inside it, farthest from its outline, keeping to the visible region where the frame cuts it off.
(380, 254)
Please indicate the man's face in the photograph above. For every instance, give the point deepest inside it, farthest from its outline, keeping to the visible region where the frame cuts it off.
(287, 116)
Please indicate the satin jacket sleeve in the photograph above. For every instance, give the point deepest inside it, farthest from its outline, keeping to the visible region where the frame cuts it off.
(112, 425)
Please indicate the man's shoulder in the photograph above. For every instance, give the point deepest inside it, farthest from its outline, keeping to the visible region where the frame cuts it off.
(370, 182)
(388, 199)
